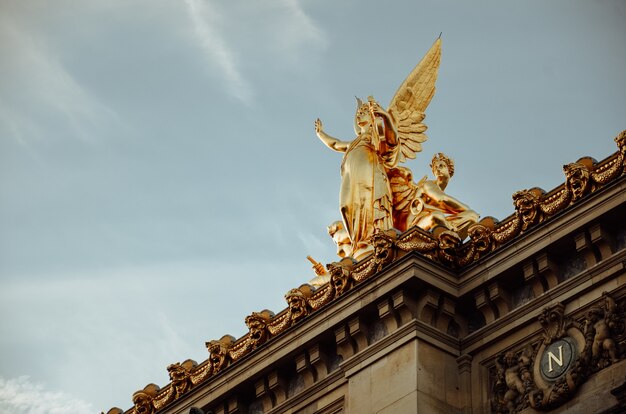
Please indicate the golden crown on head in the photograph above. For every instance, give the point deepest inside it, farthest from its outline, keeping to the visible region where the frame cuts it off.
(363, 108)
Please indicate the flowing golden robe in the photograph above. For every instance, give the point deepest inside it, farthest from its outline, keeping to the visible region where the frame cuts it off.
(365, 195)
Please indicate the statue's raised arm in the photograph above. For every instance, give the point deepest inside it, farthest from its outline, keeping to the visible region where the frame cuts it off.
(331, 142)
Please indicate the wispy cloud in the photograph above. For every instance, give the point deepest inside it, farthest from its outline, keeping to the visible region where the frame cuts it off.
(299, 28)
(17, 126)
(39, 93)
(205, 21)
(278, 30)
(22, 396)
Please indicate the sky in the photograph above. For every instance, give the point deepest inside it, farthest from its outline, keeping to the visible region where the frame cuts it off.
(160, 177)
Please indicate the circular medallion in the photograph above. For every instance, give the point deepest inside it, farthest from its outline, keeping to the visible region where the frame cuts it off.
(557, 358)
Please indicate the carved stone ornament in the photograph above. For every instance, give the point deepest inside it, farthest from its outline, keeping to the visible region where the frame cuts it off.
(449, 243)
(480, 235)
(180, 376)
(219, 352)
(297, 301)
(602, 329)
(578, 178)
(340, 275)
(609, 330)
(418, 241)
(570, 352)
(144, 399)
(480, 244)
(620, 140)
(201, 372)
(553, 322)
(383, 242)
(513, 381)
(526, 204)
(257, 324)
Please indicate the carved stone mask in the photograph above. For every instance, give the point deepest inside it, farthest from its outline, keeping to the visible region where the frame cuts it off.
(382, 245)
(526, 206)
(339, 278)
(218, 351)
(218, 356)
(257, 325)
(143, 399)
(449, 241)
(179, 377)
(143, 403)
(577, 179)
(481, 236)
(297, 304)
(177, 372)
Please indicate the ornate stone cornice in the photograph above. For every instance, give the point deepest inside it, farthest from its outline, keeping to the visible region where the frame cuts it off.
(534, 209)
(530, 312)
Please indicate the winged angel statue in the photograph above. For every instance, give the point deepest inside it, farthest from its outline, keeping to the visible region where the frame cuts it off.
(376, 193)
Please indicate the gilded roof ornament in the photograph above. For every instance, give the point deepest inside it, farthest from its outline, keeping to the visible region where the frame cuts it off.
(143, 400)
(180, 376)
(377, 194)
(257, 324)
(578, 177)
(219, 352)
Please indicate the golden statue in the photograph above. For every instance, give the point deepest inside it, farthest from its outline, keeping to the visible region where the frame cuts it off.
(344, 249)
(425, 204)
(341, 238)
(384, 139)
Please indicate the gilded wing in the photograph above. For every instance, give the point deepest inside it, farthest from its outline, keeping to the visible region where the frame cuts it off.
(411, 100)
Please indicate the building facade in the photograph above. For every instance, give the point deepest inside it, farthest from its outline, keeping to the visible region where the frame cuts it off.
(526, 316)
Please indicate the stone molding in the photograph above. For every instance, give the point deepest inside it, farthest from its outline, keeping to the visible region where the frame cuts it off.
(412, 262)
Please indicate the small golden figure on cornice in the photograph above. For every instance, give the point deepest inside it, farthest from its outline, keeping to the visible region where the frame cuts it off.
(426, 204)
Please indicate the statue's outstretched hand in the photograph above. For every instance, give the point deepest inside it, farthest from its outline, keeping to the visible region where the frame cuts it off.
(319, 269)
(318, 126)
(331, 142)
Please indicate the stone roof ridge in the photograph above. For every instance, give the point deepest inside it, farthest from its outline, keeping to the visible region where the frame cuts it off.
(532, 207)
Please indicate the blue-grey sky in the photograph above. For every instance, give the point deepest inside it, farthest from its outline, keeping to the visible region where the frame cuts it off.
(161, 179)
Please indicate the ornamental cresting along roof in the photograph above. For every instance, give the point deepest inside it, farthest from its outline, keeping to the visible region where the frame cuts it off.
(532, 207)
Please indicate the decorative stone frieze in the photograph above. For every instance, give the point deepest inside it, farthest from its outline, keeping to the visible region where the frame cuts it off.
(547, 374)
(574, 346)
